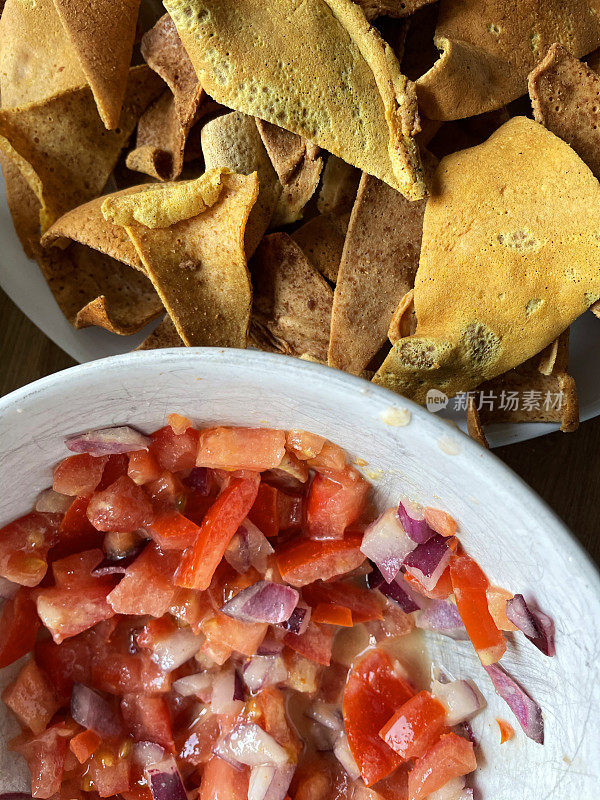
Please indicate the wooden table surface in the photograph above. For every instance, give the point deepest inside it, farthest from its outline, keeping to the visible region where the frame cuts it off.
(563, 468)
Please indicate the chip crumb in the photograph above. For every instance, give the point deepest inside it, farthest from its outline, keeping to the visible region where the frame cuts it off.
(374, 474)
(395, 416)
(449, 445)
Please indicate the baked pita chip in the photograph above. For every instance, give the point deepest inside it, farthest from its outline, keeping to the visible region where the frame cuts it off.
(233, 141)
(102, 33)
(488, 47)
(391, 8)
(292, 302)
(565, 95)
(348, 97)
(23, 205)
(321, 239)
(37, 59)
(505, 267)
(164, 335)
(62, 148)
(190, 238)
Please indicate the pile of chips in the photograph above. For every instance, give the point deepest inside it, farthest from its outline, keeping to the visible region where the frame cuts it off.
(406, 190)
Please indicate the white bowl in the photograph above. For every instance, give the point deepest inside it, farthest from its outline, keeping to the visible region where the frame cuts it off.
(519, 542)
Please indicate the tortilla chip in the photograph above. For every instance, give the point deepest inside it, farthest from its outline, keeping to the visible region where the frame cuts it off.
(164, 335)
(528, 393)
(23, 205)
(505, 267)
(321, 239)
(349, 97)
(102, 35)
(339, 185)
(197, 264)
(378, 267)
(233, 141)
(565, 95)
(292, 302)
(37, 59)
(391, 8)
(490, 46)
(62, 148)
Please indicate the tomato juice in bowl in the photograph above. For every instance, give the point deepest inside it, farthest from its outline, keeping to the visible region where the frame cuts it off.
(423, 460)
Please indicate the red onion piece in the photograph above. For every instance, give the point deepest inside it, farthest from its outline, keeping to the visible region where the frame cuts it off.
(442, 616)
(262, 671)
(112, 565)
(341, 751)
(271, 645)
(8, 589)
(462, 700)
(386, 544)
(428, 560)
(52, 502)
(270, 783)
(147, 753)
(228, 693)
(249, 744)
(414, 522)
(298, 620)
(175, 649)
(327, 714)
(90, 710)
(249, 547)
(192, 685)
(264, 601)
(199, 480)
(400, 592)
(237, 553)
(537, 626)
(165, 781)
(108, 441)
(526, 710)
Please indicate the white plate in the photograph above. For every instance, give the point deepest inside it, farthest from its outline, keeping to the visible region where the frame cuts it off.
(520, 543)
(23, 282)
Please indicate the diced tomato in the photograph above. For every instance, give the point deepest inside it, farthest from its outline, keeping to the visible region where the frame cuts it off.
(497, 599)
(167, 491)
(265, 511)
(179, 423)
(122, 506)
(303, 561)
(79, 474)
(109, 773)
(221, 781)
(415, 726)
(147, 719)
(31, 697)
(303, 444)
(440, 522)
(147, 586)
(364, 604)
(143, 467)
(155, 630)
(124, 673)
(289, 474)
(196, 745)
(76, 569)
(67, 611)
(332, 614)
(172, 531)
(76, 532)
(218, 528)
(335, 500)
(116, 467)
(243, 637)
(19, 625)
(440, 591)
(289, 511)
(450, 757)
(24, 545)
(45, 754)
(506, 730)
(470, 585)
(274, 719)
(394, 787)
(190, 607)
(373, 692)
(175, 451)
(84, 744)
(315, 643)
(65, 663)
(255, 449)
(331, 457)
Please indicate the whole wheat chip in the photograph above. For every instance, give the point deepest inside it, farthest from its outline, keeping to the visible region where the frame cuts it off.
(63, 150)
(197, 264)
(321, 239)
(102, 33)
(160, 141)
(233, 141)
(504, 267)
(565, 95)
(378, 267)
(348, 97)
(37, 59)
(164, 335)
(292, 302)
(391, 8)
(490, 46)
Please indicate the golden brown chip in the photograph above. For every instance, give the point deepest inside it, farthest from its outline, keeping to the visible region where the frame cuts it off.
(23, 205)
(404, 320)
(339, 185)
(505, 266)
(566, 99)
(348, 96)
(62, 148)
(292, 302)
(321, 239)
(164, 335)
(489, 47)
(37, 59)
(102, 34)
(378, 267)
(391, 8)
(233, 141)
(197, 264)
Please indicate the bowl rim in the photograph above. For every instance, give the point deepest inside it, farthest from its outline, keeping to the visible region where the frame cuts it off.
(166, 357)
